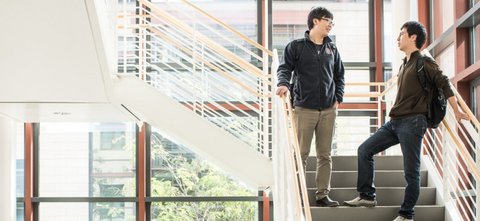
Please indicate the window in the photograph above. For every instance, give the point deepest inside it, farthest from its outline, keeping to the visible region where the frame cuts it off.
(290, 22)
(112, 140)
(111, 211)
(475, 96)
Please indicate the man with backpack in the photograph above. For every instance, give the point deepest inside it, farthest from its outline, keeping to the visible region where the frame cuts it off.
(318, 87)
(410, 116)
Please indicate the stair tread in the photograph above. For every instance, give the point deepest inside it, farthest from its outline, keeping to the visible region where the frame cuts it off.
(345, 213)
(375, 207)
(378, 188)
(388, 178)
(350, 162)
(386, 196)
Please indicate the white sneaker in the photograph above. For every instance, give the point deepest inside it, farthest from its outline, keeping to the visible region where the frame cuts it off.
(360, 202)
(401, 218)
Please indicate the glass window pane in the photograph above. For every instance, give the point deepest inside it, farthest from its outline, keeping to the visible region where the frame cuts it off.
(290, 22)
(388, 33)
(243, 19)
(357, 76)
(20, 170)
(352, 129)
(475, 97)
(182, 211)
(443, 10)
(177, 171)
(20, 160)
(20, 212)
(87, 211)
(476, 44)
(448, 16)
(445, 59)
(81, 159)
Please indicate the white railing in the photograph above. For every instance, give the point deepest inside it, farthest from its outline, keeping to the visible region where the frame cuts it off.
(290, 190)
(452, 149)
(354, 125)
(179, 58)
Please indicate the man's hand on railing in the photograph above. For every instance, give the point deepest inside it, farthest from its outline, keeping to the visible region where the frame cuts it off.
(459, 115)
(282, 90)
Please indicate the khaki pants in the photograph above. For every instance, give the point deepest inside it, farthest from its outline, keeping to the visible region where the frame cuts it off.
(322, 123)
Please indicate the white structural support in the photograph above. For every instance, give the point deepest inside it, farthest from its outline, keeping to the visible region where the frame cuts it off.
(7, 169)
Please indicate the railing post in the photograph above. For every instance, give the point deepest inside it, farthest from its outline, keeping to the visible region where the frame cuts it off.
(477, 184)
(446, 194)
(142, 32)
(379, 108)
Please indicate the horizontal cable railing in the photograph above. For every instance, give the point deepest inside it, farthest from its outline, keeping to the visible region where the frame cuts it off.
(180, 59)
(452, 149)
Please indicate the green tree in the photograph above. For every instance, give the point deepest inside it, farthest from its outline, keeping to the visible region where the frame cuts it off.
(184, 175)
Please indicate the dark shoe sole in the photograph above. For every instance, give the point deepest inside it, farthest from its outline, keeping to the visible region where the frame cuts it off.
(333, 205)
(350, 205)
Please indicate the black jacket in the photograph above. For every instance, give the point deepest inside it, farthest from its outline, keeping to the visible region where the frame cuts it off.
(318, 79)
(411, 98)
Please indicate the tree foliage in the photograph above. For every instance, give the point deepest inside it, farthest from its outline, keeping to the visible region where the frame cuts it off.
(181, 174)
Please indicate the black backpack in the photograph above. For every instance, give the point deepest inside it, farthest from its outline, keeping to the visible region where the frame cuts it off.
(299, 46)
(437, 103)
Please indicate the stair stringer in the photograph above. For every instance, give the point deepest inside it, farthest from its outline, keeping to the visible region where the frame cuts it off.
(185, 127)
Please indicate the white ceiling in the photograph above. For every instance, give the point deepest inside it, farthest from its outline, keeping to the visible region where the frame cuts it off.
(50, 61)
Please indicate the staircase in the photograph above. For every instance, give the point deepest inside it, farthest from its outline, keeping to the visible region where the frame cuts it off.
(390, 186)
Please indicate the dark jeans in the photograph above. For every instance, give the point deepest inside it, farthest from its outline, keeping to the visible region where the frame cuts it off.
(408, 132)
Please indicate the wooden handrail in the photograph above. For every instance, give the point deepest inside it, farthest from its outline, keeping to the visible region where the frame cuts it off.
(466, 109)
(472, 167)
(228, 27)
(209, 64)
(366, 83)
(298, 161)
(392, 80)
(367, 94)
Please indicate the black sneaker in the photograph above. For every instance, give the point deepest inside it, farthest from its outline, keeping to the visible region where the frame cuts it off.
(327, 202)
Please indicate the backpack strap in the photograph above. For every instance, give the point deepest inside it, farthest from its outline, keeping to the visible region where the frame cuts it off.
(299, 46)
(334, 48)
(422, 78)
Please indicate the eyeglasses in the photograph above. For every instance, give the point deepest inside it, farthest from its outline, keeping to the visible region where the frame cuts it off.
(329, 21)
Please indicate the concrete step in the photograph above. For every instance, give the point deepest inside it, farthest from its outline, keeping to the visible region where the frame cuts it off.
(380, 213)
(344, 163)
(386, 196)
(383, 178)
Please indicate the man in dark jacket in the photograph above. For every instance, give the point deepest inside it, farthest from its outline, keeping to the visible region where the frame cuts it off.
(318, 87)
(407, 125)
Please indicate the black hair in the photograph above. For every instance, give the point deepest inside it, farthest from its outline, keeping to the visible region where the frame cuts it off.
(416, 28)
(318, 13)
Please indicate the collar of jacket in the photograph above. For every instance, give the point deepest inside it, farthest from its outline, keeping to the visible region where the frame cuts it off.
(325, 40)
(413, 57)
